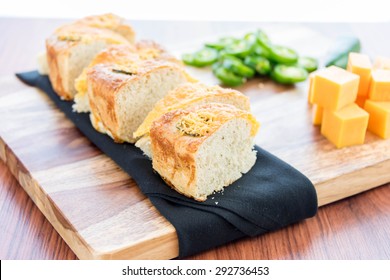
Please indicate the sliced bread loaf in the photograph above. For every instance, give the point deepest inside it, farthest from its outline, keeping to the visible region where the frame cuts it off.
(202, 149)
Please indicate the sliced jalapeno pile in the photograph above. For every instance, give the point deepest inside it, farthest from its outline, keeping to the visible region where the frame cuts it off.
(234, 60)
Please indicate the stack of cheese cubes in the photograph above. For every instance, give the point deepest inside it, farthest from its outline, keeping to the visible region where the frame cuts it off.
(347, 102)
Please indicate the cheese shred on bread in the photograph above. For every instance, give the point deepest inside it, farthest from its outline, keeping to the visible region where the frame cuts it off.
(72, 47)
(182, 97)
(201, 149)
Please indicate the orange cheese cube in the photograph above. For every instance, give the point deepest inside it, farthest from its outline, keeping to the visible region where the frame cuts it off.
(346, 127)
(335, 88)
(379, 122)
(317, 114)
(360, 64)
(380, 85)
(311, 88)
(382, 63)
(360, 100)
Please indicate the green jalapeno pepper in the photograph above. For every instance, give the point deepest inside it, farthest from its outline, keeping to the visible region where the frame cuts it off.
(284, 55)
(240, 48)
(261, 51)
(287, 74)
(338, 54)
(263, 40)
(309, 63)
(237, 66)
(227, 77)
(221, 43)
(201, 58)
(260, 64)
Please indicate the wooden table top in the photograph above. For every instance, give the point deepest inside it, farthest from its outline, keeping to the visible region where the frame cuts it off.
(353, 228)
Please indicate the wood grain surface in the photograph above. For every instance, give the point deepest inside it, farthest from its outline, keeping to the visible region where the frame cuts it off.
(320, 237)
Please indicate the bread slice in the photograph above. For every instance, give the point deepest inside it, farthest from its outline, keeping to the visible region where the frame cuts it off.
(121, 55)
(202, 149)
(72, 47)
(182, 97)
(120, 96)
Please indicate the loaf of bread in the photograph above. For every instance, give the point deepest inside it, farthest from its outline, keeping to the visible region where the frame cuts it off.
(201, 149)
(72, 47)
(122, 55)
(182, 97)
(121, 96)
(200, 137)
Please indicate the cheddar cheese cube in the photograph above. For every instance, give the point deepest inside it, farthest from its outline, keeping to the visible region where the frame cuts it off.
(345, 127)
(360, 100)
(380, 85)
(311, 88)
(382, 63)
(335, 88)
(317, 114)
(379, 122)
(360, 64)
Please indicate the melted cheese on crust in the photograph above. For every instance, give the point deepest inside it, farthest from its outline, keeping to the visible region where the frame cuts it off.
(182, 97)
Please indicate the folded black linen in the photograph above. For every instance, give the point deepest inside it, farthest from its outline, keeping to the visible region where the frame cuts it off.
(270, 196)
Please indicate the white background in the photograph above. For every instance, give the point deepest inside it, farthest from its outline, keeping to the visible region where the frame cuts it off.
(210, 10)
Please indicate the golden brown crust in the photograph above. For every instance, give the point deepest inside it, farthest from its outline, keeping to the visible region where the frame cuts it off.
(174, 152)
(54, 58)
(104, 84)
(190, 94)
(111, 22)
(148, 49)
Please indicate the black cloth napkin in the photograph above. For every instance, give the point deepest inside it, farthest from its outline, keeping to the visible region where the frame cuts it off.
(270, 196)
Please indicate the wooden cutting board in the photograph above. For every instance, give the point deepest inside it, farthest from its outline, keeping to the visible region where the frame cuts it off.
(98, 209)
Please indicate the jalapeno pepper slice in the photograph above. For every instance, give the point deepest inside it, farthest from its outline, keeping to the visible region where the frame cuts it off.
(258, 63)
(240, 48)
(281, 54)
(309, 63)
(287, 74)
(228, 78)
(188, 58)
(263, 40)
(221, 43)
(261, 51)
(237, 66)
(201, 58)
